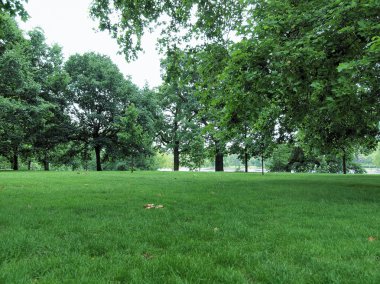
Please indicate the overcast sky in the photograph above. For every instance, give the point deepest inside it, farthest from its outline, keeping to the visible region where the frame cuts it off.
(67, 23)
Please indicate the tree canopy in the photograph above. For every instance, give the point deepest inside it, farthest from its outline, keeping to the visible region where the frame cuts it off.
(255, 78)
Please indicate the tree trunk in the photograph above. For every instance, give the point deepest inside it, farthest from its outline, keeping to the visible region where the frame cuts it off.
(98, 162)
(262, 165)
(245, 149)
(29, 165)
(132, 164)
(219, 165)
(46, 165)
(176, 156)
(15, 165)
(344, 163)
(246, 161)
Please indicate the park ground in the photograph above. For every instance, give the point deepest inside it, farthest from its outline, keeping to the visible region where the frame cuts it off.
(88, 227)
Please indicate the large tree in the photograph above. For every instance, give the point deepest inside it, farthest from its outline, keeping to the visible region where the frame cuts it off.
(325, 75)
(18, 91)
(178, 103)
(98, 94)
(48, 72)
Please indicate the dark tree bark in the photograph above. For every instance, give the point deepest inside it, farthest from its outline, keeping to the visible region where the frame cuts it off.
(176, 156)
(98, 162)
(46, 165)
(29, 165)
(344, 163)
(262, 165)
(15, 165)
(246, 161)
(245, 150)
(176, 141)
(219, 165)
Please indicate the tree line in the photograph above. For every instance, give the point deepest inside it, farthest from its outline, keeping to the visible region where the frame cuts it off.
(266, 74)
(52, 111)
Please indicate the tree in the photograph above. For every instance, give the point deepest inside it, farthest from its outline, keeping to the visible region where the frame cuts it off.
(178, 102)
(56, 128)
(251, 114)
(133, 140)
(18, 91)
(98, 94)
(324, 73)
(210, 62)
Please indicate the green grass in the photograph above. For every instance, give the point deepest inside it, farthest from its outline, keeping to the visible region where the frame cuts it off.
(62, 227)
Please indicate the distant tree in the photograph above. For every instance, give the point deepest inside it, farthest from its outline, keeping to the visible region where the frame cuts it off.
(178, 103)
(376, 157)
(18, 91)
(279, 160)
(252, 114)
(210, 62)
(133, 140)
(47, 63)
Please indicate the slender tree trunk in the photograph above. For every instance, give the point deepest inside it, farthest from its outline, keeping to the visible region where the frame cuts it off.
(29, 165)
(344, 163)
(176, 156)
(219, 164)
(262, 165)
(15, 165)
(246, 161)
(245, 149)
(132, 164)
(98, 162)
(176, 141)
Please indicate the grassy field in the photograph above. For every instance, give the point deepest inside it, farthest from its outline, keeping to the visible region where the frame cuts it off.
(69, 227)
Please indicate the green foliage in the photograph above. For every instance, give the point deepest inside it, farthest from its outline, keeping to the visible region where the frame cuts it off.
(209, 19)
(289, 158)
(98, 93)
(179, 107)
(163, 161)
(376, 157)
(280, 159)
(54, 115)
(133, 140)
(14, 8)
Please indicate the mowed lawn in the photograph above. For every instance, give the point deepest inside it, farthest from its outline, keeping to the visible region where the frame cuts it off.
(79, 227)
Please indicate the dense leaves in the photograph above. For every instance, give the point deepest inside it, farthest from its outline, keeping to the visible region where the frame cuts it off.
(53, 111)
(250, 78)
(127, 21)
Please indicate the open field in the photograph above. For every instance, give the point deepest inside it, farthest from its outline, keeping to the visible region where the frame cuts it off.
(68, 227)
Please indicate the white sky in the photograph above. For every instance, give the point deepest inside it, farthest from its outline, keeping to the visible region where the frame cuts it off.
(67, 23)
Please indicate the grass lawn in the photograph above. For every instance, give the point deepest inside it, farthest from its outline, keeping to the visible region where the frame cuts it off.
(69, 227)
